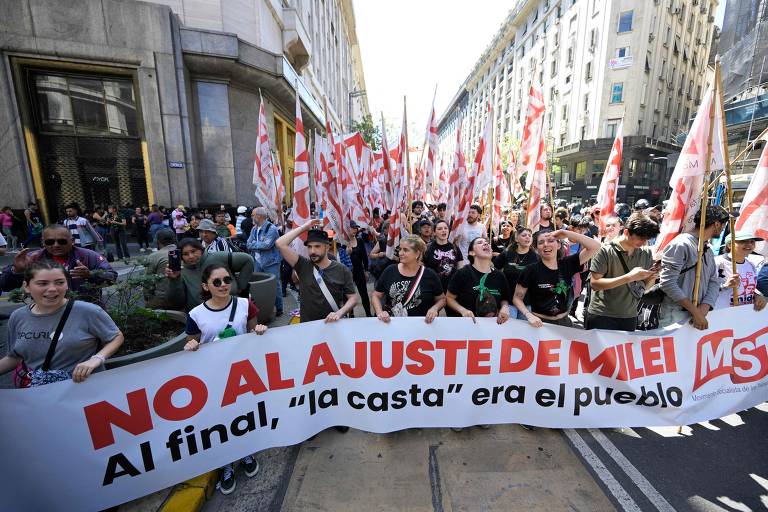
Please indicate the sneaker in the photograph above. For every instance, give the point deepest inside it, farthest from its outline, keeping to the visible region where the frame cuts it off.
(227, 481)
(250, 466)
(528, 427)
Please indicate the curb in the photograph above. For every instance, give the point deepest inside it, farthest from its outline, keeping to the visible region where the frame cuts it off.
(190, 496)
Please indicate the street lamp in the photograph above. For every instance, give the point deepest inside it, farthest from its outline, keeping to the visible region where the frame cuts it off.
(353, 94)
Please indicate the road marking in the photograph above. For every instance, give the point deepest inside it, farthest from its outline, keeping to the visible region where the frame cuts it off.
(622, 496)
(434, 480)
(632, 472)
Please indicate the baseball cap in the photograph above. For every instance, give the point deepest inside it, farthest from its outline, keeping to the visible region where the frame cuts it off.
(743, 235)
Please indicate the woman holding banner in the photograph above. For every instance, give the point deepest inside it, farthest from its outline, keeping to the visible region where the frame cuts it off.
(409, 288)
(515, 258)
(549, 283)
(222, 316)
(56, 338)
(477, 289)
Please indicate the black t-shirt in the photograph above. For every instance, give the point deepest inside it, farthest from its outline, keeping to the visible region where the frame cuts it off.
(512, 265)
(443, 259)
(395, 286)
(547, 229)
(498, 244)
(465, 283)
(549, 290)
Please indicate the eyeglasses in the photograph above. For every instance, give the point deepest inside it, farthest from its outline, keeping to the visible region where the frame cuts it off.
(57, 241)
(226, 280)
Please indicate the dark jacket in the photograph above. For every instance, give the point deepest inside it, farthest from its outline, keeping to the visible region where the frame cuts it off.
(184, 292)
(101, 271)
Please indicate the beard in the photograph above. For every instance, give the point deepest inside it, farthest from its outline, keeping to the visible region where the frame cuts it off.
(314, 258)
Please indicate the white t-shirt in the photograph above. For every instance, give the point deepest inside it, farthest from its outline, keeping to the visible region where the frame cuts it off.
(208, 323)
(79, 230)
(468, 233)
(747, 287)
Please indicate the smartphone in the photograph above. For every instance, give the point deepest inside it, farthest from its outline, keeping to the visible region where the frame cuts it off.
(174, 260)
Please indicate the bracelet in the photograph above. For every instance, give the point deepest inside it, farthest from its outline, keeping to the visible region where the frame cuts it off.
(99, 357)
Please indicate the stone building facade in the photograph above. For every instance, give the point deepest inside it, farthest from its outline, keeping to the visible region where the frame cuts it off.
(133, 103)
(596, 62)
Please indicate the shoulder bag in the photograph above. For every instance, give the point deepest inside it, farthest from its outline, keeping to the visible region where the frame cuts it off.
(401, 308)
(26, 378)
(229, 331)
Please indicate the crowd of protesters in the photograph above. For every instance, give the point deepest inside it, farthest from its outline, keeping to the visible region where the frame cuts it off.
(204, 261)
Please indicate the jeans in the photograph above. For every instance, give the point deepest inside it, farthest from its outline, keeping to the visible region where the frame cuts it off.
(153, 229)
(516, 313)
(672, 313)
(121, 243)
(11, 240)
(273, 269)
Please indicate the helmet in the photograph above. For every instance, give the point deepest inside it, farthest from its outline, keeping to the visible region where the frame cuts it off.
(622, 210)
(641, 204)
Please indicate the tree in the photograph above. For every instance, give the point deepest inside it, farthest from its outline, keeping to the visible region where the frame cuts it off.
(370, 132)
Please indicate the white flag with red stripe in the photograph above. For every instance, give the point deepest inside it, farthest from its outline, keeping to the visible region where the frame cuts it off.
(687, 179)
(606, 194)
(533, 156)
(442, 184)
(455, 182)
(264, 168)
(483, 163)
(431, 145)
(753, 216)
(401, 182)
(515, 173)
(355, 155)
(300, 212)
(501, 197)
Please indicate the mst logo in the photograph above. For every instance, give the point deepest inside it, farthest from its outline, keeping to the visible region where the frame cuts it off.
(744, 359)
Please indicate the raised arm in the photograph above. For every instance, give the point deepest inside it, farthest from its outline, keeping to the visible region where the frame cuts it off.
(283, 243)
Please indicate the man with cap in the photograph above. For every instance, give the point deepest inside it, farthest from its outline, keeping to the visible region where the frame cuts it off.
(212, 242)
(261, 244)
(745, 278)
(678, 273)
(326, 286)
(239, 219)
(155, 266)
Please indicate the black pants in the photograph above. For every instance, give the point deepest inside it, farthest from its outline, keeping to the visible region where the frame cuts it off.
(610, 323)
(142, 237)
(286, 271)
(362, 289)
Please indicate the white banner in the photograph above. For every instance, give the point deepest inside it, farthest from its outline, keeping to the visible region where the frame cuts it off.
(131, 431)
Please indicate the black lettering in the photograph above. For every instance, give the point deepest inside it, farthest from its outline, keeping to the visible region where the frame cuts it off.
(580, 402)
(205, 435)
(480, 396)
(118, 461)
(351, 396)
(624, 397)
(545, 397)
(250, 424)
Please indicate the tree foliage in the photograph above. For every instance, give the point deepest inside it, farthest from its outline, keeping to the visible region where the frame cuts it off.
(370, 132)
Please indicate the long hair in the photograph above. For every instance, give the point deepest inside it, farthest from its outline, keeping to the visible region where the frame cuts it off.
(205, 294)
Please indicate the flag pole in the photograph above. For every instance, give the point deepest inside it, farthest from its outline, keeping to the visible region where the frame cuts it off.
(705, 195)
(729, 184)
(407, 167)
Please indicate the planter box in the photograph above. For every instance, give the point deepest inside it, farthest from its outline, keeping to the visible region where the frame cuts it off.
(175, 344)
(263, 290)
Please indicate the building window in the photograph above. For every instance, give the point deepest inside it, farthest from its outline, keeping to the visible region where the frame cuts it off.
(625, 22)
(586, 102)
(611, 126)
(617, 92)
(581, 171)
(588, 71)
(622, 52)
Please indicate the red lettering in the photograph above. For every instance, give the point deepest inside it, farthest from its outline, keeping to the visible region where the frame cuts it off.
(361, 362)
(579, 360)
(274, 373)
(506, 365)
(750, 361)
(670, 359)
(549, 352)
(163, 403)
(321, 360)
(713, 357)
(634, 371)
(422, 363)
(102, 415)
(239, 371)
(377, 359)
(651, 349)
(478, 351)
(622, 373)
(450, 347)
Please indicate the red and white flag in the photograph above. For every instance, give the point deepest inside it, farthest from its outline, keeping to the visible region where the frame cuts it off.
(515, 174)
(483, 163)
(264, 169)
(401, 183)
(333, 211)
(533, 156)
(442, 184)
(606, 194)
(753, 216)
(455, 182)
(501, 198)
(431, 144)
(355, 155)
(300, 212)
(687, 179)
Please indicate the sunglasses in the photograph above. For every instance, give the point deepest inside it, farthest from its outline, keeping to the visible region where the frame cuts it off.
(226, 280)
(57, 241)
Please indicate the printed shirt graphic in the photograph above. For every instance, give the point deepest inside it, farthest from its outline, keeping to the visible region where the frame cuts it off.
(443, 259)
(747, 285)
(395, 288)
(548, 289)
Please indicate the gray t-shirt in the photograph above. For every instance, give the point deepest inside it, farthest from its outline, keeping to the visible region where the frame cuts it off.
(468, 233)
(337, 277)
(88, 328)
